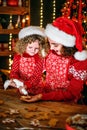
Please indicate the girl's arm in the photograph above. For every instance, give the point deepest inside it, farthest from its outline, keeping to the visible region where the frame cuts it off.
(77, 78)
(71, 94)
(14, 74)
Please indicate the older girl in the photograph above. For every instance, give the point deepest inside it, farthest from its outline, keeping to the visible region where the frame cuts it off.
(66, 63)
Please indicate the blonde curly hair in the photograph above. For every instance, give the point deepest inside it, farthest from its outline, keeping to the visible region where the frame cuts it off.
(21, 44)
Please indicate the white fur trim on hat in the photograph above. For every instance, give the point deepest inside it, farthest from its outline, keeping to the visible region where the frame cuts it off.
(59, 36)
(30, 31)
(81, 55)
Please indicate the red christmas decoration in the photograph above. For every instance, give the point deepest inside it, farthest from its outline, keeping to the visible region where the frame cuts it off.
(80, 12)
(12, 2)
(76, 10)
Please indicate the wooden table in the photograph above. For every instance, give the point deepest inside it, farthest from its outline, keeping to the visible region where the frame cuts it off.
(51, 115)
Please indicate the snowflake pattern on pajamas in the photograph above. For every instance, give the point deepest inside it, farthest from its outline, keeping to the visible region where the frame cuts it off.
(27, 66)
(57, 68)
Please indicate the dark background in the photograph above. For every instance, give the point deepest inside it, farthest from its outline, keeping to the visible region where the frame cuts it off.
(47, 11)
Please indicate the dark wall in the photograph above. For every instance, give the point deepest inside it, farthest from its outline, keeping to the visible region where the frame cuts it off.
(47, 11)
(34, 12)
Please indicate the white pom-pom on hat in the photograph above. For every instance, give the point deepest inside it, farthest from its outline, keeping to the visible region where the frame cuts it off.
(81, 55)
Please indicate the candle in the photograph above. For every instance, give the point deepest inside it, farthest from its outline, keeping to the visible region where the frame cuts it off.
(23, 23)
(27, 20)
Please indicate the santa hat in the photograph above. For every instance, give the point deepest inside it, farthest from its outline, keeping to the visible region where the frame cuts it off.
(68, 33)
(27, 31)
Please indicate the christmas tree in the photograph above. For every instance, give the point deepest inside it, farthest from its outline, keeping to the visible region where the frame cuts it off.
(76, 10)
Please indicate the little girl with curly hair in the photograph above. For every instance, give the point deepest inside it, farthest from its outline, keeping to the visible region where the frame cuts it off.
(27, 67)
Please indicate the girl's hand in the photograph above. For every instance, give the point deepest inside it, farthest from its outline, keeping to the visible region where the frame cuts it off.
(31, 98)
(12, 83)
(22, 90)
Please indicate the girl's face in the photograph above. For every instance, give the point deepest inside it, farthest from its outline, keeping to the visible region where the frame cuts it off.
(57, 47)
(33, 48)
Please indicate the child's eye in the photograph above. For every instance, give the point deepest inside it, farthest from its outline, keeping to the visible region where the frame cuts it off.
(29, 47)
(56, 45)
(37, 48)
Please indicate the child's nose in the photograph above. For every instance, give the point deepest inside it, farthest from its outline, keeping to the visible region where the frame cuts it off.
(33, 50)
(52, 47)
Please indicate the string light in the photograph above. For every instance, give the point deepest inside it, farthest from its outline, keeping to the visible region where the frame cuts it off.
(10, 61)
(10, 49)
(10, 39)
(54, 9)
(41, 13)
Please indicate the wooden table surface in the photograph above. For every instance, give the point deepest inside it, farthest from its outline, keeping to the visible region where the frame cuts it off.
(51, 115)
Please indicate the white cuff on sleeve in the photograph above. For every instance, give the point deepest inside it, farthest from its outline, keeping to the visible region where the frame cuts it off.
(18, 83)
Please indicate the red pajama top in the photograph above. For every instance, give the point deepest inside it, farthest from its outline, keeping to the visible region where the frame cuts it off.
(65, 77)
(28, 69)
